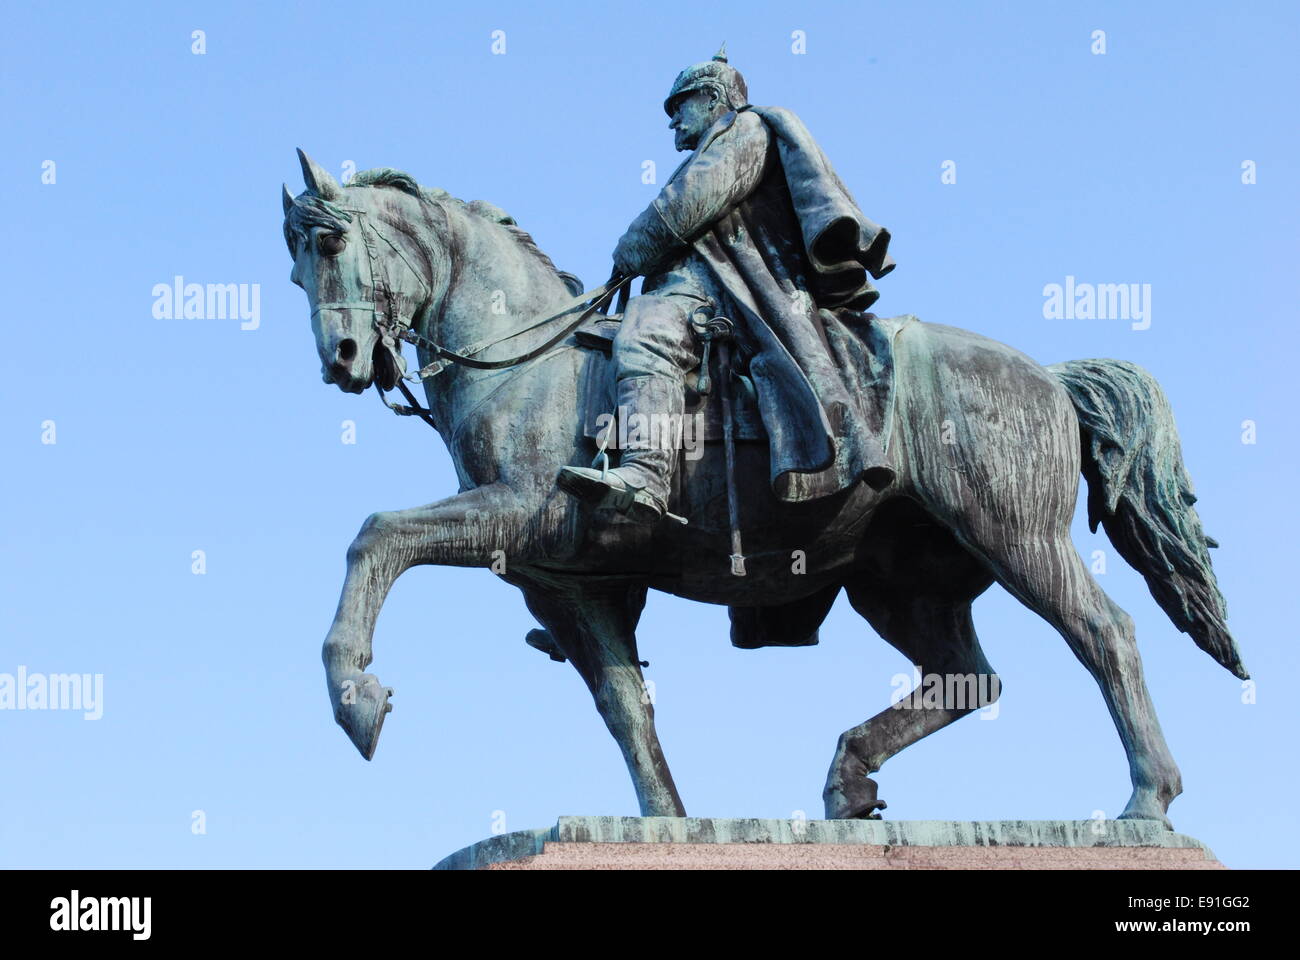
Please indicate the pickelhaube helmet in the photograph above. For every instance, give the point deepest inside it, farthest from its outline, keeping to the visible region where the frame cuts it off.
(715, 74)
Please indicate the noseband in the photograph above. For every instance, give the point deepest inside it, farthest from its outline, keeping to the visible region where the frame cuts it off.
(393, 324)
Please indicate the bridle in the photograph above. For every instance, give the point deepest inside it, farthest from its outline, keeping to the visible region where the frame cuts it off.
(393, 323)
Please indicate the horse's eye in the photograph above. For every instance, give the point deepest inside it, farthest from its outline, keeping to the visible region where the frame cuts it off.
(331, 244)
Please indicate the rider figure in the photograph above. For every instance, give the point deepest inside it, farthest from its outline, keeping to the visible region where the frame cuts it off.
(730, 193)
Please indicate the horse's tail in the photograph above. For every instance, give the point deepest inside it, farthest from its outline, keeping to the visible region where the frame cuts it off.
(1139, 490)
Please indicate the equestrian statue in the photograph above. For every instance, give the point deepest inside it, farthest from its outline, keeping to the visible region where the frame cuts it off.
(744, 433)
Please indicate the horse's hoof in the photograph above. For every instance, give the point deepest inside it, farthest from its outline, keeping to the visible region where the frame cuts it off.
(543, 641)
(1147, 815)
(856, 801)
(363, 704)
(1149, 803)
(867, 812)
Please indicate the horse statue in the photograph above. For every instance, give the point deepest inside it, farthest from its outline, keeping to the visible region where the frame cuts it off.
(988, 446)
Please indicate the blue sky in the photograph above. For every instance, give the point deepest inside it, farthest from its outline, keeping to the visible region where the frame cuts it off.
(182, 435)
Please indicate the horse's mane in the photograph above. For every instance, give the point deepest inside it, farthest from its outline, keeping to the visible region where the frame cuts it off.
(310, 210)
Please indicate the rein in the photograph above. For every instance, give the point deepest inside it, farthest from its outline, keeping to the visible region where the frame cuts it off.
(595, 299)
(392, 325)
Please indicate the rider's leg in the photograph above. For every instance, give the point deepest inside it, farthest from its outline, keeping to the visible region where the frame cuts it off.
(652, 353)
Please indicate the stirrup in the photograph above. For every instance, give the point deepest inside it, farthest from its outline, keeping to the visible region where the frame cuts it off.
(610, 491)
(621, 498)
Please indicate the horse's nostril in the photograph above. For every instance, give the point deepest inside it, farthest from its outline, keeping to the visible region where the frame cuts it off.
(346, 351)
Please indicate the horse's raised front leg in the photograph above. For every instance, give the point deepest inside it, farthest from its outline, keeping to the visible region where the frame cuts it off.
(464, 531)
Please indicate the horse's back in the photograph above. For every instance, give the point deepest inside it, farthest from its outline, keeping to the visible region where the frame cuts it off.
(959, 355)
(980, 422)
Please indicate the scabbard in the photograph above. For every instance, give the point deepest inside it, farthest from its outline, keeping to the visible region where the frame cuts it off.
(729, 447)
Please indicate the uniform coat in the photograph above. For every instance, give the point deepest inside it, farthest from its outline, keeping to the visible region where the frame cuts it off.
(756, 220)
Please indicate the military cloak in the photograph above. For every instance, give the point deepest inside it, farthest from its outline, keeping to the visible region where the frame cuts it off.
(757, 220)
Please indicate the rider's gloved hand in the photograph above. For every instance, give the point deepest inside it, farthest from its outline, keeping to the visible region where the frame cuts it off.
(626, 261)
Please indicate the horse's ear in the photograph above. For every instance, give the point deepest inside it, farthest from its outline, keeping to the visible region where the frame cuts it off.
(319, 180)
(286, 198)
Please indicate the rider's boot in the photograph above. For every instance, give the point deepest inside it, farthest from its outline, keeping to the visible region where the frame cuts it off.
(638, 487)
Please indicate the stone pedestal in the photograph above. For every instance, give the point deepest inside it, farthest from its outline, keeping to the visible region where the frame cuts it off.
(704, 843)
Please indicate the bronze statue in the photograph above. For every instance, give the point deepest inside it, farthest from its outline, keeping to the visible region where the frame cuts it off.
(755, 225)
(983, 449)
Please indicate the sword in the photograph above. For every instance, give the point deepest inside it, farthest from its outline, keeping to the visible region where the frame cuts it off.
(720, 329)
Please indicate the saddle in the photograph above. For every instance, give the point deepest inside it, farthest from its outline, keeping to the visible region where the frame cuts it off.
(863, 344)
(601, 413)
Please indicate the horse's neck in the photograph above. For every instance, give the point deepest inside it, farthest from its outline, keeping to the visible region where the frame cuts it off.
(497, 286)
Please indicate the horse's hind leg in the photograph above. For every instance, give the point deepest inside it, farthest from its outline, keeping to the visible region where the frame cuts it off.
(936, 633)
(594, 627)
(1048, 576)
